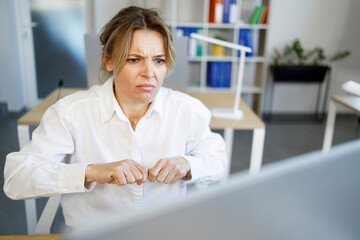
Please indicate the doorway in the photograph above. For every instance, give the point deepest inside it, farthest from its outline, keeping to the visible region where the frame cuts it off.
(59, 44)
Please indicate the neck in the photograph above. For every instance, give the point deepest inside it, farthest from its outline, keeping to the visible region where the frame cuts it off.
(133, 111)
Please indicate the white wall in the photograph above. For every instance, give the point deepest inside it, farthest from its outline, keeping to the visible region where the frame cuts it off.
(331, 24)
(104, 10)
(10, 79)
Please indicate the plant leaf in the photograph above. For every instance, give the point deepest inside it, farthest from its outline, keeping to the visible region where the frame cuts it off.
(298, 50)
(339, 56)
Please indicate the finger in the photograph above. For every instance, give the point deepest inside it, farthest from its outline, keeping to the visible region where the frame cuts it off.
(170, 176)
(138, 166)
(136, 173)
(153, 172)
(113, 180)
(145, 178)
(177, 177)
(120, 179)
(128, 175)
(145, 173)
(164, 172)
(140, 182)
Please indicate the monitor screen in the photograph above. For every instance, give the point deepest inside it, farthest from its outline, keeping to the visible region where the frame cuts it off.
(312, 196)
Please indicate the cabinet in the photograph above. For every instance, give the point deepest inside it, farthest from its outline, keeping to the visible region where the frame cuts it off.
(195, 14)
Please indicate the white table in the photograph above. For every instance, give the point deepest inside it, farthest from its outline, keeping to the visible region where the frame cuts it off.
(350, 102)
(250, 122)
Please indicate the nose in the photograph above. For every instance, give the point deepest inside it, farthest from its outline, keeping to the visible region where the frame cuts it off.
(148, 69)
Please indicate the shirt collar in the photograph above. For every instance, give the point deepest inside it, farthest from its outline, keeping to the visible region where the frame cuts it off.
(157, 104)
(109, 104)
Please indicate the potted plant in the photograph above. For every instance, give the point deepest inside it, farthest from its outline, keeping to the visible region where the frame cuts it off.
(296, 64)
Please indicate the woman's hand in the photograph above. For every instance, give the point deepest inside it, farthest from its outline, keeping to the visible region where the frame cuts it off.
(170, 170)
(120, 173)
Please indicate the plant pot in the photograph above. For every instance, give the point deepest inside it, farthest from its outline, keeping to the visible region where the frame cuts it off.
(299, 73)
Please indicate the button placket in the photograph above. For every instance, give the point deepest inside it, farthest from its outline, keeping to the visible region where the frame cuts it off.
(137, 156)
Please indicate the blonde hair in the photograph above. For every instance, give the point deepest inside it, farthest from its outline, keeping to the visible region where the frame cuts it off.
(116, 37)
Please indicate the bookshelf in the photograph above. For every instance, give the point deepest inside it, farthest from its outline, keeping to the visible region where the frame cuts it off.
(195, 14)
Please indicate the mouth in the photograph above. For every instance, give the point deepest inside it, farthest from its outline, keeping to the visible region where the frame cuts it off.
(146, 87)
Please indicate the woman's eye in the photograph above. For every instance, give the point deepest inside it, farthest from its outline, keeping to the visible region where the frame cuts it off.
(159, 61)
(133, 60)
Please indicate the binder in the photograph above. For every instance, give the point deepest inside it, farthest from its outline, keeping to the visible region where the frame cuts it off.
(219, 74)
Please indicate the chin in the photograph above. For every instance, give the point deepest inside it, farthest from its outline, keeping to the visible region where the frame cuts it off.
(146, 98)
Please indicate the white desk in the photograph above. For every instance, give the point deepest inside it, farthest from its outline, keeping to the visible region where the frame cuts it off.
(350, 102)
(250, 122)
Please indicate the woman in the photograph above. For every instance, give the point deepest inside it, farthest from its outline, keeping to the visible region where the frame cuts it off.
(92, 146)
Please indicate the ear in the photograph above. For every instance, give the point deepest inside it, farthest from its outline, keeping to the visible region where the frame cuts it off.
(107, 64)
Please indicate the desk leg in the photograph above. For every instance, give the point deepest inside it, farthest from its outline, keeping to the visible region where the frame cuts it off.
(228, 136)
(329, 130)
(30, 205)
(23, 135)
(257, 150)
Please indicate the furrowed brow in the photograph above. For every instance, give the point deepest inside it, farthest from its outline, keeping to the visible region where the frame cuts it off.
(160, 55)
(135, 55)
(140, 56)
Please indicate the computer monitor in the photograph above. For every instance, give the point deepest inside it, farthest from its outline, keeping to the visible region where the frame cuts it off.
(312, 196)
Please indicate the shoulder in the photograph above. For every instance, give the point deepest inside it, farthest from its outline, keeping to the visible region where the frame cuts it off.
(79, 99)
(74, 104)
(180, 98)
(184, 103)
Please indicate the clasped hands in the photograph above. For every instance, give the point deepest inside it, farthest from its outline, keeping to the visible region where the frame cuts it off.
(167, 170)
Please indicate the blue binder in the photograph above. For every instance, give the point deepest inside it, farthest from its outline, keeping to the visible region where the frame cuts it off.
(246, 38)
(219, 74)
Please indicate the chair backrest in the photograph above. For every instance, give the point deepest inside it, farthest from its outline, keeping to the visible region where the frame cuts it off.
(178, 79)
(93, 58)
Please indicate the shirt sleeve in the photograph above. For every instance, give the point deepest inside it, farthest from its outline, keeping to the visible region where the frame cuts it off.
(205, 150)
(39, 169)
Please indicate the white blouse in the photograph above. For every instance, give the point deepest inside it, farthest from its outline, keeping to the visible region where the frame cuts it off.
(90, 127)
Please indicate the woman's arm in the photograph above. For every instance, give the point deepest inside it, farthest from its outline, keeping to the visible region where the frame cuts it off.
(38, 169)
(205, 150)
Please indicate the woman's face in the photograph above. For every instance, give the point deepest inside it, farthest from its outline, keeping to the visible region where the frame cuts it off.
(141, 77)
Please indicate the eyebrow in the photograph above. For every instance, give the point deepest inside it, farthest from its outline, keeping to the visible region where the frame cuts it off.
(140, 56)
